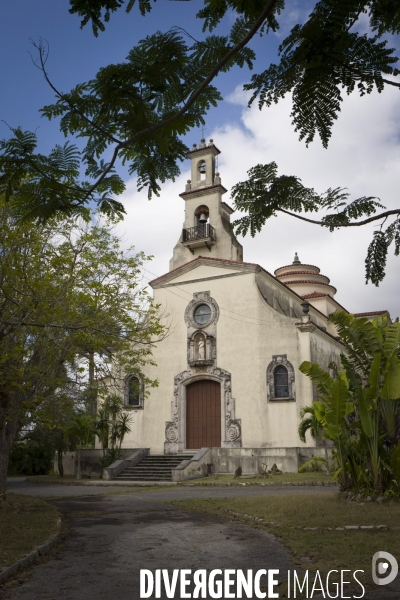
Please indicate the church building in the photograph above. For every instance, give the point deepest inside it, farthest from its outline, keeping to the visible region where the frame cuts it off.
(230, 390)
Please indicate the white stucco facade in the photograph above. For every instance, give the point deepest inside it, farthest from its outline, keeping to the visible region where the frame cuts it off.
(253, 323)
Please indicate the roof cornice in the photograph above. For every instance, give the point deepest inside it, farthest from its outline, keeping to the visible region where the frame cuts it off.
(202, 151)
(202, 261)
(203, 191)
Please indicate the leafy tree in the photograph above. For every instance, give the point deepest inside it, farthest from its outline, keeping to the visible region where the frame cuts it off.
(65, 286)
(137, 111)
(359, 407)
(50, 423)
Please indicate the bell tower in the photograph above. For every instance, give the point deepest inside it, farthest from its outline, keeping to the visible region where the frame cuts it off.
(206, 230)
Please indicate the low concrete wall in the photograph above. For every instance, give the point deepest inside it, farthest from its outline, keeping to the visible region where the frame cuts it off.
(90, 465)
(68, 463)
(227, 460)
(288, 460)
(223, 460)
(193, 468)
(116, 467)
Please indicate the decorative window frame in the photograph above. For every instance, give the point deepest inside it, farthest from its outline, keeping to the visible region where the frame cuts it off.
(128, 406)
(201, 298)
(278, 360)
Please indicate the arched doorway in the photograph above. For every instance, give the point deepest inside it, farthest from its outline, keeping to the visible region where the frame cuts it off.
(203, 414)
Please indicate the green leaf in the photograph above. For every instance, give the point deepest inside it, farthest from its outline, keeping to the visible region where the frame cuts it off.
(320, 378)
(372, 392)
(391, 387)
(365, 409)
(338, 405)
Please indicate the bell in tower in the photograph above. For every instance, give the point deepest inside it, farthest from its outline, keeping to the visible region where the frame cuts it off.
(203, 217)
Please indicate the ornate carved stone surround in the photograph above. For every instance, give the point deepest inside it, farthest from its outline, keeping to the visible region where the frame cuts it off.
(201, 368)
(280, 359)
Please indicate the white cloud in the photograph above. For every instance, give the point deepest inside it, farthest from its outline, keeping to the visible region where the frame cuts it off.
(363, 156)
(296, 12)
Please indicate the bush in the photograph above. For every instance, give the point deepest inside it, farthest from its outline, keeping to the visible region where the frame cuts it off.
(111, 456)
(315, 465)
(30, 458)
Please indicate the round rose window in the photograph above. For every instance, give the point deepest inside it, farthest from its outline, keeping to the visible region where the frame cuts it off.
(202, 314)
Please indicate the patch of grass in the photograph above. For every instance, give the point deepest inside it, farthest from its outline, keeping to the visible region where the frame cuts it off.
(66, 480)
(272, 479)
(135, 490)
(25, 522)
(288, 514)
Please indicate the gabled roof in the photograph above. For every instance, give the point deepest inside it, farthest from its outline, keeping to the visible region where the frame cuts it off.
(235, 265)
(203, 260)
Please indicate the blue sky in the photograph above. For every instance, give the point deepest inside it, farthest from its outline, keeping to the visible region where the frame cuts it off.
(76, 54)
(364, 153)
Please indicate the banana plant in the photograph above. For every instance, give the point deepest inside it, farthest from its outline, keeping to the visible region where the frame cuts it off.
(359, 406)
(331, 410)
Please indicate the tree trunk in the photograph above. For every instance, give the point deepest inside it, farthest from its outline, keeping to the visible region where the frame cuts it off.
(92, 387)
(78, 474)
(8, 433)
(4, 458)
(60, 462)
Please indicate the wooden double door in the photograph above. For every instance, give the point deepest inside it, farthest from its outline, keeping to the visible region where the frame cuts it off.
(203, 414)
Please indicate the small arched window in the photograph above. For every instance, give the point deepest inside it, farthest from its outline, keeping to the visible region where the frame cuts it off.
(202, 170)
(281, 382)
(134, 395)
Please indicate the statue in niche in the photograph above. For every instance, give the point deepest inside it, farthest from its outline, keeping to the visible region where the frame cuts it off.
(201, 348)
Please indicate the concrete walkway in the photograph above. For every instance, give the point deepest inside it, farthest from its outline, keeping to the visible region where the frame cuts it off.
(109, 537)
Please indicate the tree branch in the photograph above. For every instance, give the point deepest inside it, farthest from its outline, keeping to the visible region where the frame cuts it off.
(62, 97)
(383, 215)
(351, 69)
(193, 97)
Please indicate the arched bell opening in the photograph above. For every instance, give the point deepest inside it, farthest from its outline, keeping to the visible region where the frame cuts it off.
(202, 171)
(201, 216)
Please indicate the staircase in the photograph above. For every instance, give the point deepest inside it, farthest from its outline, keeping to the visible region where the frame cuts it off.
(154, 467)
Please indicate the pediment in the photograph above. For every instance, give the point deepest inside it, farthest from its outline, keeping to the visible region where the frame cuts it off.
(203, 268)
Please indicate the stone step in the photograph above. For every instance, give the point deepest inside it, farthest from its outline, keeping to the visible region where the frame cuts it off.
(150, 471)
(147, 477)
(156, 467)
(166, 462)
(147, 468)
(167, 458)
